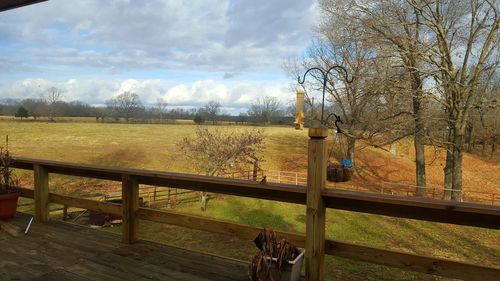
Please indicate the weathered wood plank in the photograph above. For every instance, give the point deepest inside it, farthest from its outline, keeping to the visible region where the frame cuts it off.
(415, 208)
(41, 193)
(26, 192)
(210, 225)
(316, 211)
(130, 204)
(99, 206)
(412, 262)
(277, 192)
(341, 249)
(389, 205)
(59, 275)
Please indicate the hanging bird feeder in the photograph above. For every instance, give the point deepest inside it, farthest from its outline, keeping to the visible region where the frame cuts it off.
(335, 172)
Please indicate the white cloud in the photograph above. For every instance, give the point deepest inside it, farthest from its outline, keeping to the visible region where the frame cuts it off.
(216, 35)
(235, 96)
(95, 49)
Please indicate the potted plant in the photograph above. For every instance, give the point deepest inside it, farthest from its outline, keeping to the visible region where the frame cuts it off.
(277, 260)
(8, 192)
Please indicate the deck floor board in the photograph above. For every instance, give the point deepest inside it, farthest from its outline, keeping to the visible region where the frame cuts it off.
(61, 251)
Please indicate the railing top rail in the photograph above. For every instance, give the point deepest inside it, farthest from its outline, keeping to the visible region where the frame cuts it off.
(397, 206)
(414, 208)
(272, 191)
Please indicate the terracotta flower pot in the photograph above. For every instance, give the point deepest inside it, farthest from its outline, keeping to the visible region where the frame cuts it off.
(8, 205)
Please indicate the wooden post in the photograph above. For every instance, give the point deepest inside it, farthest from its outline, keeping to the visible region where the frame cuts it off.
(315, 222)
(41, 193)
(130, 205)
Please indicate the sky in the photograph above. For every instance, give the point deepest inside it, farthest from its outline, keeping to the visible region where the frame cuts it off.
(186, 52)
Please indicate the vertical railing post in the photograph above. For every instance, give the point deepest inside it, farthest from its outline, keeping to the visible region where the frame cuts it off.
(130, 205)
(41, 193)
(315, 222)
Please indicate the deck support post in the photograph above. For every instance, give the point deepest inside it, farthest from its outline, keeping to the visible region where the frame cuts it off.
(315, 222)
(41, 193)
(130, 205)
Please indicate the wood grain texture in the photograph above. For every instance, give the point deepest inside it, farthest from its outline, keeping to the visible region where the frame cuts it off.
(396, 206)
(316, 211)
(61, 251)
(98, 206)
(41, 193)
(130, 205)
(412, 262)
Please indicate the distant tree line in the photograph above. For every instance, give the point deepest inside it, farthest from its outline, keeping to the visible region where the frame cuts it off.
(128, 107)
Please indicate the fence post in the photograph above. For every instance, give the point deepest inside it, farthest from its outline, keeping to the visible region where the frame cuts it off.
(41, 193)
(130, 204)
(315, 222)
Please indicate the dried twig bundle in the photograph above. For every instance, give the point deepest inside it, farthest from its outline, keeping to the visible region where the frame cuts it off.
(270, 247)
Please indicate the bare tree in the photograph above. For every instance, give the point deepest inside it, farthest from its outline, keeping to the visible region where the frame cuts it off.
(212, 110)
(126, 104)
(160, 107)
(451, 42)
(396, 26)
(265, 109)
(53, 97)
(463, 46)
(216, 151)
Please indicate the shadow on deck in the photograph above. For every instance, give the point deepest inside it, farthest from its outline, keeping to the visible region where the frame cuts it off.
(62, 251)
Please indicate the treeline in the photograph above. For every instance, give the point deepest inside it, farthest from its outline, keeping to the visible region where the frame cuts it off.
(127, 107)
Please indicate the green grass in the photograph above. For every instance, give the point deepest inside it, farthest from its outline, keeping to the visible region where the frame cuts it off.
(156, 147)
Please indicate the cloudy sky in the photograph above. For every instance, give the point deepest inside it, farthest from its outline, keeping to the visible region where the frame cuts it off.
(188, 52)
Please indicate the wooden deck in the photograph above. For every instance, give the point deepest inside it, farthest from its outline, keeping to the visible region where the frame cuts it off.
(62, 251)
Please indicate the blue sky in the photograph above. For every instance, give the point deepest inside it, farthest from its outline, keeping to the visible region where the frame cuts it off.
(187, 52)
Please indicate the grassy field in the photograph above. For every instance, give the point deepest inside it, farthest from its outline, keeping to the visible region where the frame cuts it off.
(156, 147)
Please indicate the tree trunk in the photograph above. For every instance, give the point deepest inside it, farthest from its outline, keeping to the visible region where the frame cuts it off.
(448, 168)
(419, 136)
(255, 170)
(468, 137)
(420, 163)
(204, 201)
(456, 194)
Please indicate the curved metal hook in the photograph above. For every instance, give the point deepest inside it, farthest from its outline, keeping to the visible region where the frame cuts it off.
(325, 78)
(337, 120)
(340, 68)
(313, 68)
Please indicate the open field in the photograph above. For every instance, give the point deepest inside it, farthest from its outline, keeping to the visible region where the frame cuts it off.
(155, 147)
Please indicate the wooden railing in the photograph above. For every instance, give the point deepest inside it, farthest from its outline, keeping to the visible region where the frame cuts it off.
(382, 187)
(313, 196)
